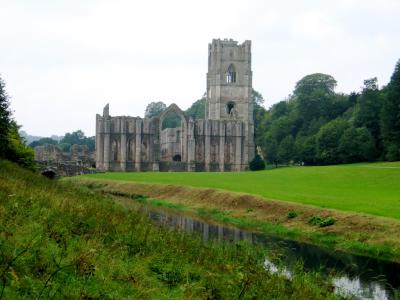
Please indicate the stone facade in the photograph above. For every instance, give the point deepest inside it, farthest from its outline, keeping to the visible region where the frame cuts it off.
(223, 141)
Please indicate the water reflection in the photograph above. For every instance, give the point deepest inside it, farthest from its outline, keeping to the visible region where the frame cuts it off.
(358, 276)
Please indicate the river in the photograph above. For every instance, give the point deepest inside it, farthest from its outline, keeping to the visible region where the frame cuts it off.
(359, 276)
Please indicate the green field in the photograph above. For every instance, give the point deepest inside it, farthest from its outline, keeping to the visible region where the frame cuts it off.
(369, 188)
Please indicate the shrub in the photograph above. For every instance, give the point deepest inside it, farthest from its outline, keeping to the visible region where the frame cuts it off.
(316, 220)
(257, 163)
(291, 215)
(327, 222)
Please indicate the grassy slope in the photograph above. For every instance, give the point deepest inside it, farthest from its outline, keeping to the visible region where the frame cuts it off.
(62, 241)
(352, 232)
(369, 188)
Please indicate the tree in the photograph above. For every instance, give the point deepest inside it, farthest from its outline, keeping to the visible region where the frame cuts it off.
(368, 107)
(43, 141)
(323, 83)
(197, 109)
(154, 109)
(390, 117)
(315, 96)
(77, 137)
(172, 120)
(18, 151)
(12, 146)
(258, 112)
(271, 151)
(5, 119)
(327, 141)
(356, 145)
(285, 150)
(257, 163)
(305, 149)
(256, 98)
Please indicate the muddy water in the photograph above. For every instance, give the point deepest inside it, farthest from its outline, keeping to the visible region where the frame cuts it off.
(358, 276)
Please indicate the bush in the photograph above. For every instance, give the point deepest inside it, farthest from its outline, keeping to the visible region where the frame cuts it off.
(316, 220)
(327, 222)
(257, 163)
(291, 215)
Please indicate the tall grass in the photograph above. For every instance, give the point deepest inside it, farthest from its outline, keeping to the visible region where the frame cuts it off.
(59, 240)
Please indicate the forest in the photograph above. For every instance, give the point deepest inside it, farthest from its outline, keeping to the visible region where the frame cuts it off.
(317, 126)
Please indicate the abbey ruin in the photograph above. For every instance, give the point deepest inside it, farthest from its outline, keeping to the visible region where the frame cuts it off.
(223, 141)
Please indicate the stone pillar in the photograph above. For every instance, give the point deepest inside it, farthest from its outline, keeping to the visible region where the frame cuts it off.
(246, 142)
(99, 142)
(123, 145)
(207, 148)
(184, 140)
(222, 146)
(191, 149)
(138, 144)
(107, 145)
(238, 146)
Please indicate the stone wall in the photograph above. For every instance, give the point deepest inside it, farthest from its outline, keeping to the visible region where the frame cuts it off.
(48, 153)
(51, 159)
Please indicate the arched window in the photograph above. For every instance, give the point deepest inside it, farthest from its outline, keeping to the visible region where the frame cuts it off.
(231, 75)
(230, 108)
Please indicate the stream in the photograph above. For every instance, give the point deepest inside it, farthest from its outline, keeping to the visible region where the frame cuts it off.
(359, 276)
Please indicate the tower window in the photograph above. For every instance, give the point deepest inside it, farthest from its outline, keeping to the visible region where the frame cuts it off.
(231, 75)
(230, 108)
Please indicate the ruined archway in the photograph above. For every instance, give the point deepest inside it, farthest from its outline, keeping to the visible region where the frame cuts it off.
(49, 173)
(173, 139)
(177, 157)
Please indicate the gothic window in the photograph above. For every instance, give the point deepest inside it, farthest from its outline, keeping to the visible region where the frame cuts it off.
(231, 75)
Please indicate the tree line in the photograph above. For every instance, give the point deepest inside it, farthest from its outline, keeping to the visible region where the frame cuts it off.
(317, 126)
(74, 138)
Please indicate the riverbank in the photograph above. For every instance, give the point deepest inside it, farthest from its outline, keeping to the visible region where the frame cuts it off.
(371, 188)
(355, 233)
(61, 240)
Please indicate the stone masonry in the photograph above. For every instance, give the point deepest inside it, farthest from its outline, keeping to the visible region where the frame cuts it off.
(223, 141)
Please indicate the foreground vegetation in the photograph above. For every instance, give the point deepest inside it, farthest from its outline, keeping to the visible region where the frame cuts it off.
(59, 240)
(367, 188)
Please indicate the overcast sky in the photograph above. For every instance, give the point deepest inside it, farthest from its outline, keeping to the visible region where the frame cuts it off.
(62, 61)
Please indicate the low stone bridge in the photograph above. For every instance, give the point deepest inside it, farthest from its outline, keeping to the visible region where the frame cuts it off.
(53, 169)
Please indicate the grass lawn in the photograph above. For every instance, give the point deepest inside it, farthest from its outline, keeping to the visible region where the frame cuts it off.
(370, 188)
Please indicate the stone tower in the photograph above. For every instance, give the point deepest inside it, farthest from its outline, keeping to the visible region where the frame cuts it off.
(229, 86)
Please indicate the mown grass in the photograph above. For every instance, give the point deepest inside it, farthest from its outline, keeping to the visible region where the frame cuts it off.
(63, 241)
(368, 188)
